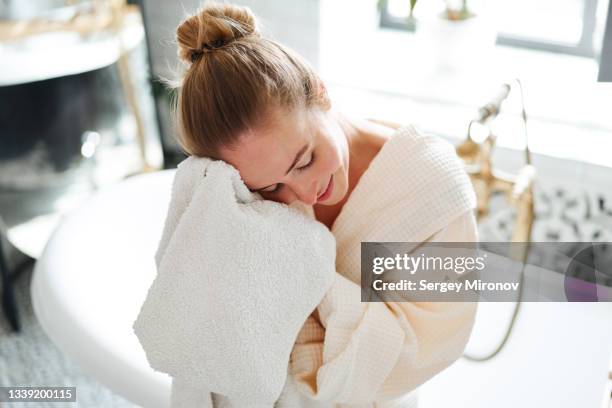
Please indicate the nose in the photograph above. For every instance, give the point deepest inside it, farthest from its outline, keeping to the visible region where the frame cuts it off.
(306, 192)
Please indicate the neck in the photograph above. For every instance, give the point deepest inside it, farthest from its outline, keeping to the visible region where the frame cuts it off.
(349, 126)
(356, 147)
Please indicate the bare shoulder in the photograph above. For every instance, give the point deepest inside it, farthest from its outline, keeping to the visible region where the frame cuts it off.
(376, 133)
(385, 123)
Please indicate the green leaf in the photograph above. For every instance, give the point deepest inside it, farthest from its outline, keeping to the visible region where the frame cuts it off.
(412, 4)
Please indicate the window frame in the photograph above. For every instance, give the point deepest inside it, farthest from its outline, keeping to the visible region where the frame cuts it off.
(388, 20)
(584, 47)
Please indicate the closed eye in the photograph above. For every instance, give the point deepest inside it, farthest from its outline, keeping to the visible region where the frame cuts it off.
(312, 159)
(278, 186)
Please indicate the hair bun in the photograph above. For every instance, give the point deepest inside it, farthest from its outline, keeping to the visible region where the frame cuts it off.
(211, 27)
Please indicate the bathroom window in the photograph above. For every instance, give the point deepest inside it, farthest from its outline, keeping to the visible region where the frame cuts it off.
(414, 77)
(394, 14)
(563, 26)
(566, 26)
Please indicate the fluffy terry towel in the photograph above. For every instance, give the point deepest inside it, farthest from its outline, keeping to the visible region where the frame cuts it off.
(347, 353)
(237, 276)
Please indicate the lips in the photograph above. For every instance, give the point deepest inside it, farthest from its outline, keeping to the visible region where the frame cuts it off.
(328, 190)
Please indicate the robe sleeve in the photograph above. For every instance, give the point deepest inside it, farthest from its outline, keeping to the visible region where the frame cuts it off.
(353, 352)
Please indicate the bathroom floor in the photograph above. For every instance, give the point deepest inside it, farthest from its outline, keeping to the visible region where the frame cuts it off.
(31, 359)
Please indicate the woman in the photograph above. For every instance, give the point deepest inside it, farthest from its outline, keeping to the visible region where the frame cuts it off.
(248, 125)
(257, 105)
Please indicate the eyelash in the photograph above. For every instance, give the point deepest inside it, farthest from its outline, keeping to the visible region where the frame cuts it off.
(312, 158)
(304, 167)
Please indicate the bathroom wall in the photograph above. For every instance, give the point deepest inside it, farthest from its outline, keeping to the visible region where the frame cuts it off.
(605, 70)
(291, 22)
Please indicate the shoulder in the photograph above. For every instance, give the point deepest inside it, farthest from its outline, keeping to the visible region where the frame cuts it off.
(377, 133)
(369, 141)
(401, 149)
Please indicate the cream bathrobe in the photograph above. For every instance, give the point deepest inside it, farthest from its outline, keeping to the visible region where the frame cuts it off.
(354, 354)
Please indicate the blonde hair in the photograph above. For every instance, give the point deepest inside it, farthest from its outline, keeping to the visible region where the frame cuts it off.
(233, 77)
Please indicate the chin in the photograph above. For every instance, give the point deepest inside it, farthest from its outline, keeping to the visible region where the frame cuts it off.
(340, 189)
(328, 203)
(336, 197)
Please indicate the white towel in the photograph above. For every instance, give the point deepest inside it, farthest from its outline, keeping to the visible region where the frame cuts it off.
(237, 276)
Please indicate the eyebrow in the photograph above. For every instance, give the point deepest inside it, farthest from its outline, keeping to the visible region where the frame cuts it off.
(297, 158)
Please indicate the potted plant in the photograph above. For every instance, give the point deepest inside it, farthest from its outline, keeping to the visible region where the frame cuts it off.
(453, 37)
(456, 11)
(457, 37)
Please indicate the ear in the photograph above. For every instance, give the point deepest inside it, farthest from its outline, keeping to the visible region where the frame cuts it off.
(323, 97)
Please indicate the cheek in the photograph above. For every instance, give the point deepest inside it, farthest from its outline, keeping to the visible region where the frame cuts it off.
(341, 147)
(331, 160)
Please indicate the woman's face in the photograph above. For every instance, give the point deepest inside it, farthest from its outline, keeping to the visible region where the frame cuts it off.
(297, 155)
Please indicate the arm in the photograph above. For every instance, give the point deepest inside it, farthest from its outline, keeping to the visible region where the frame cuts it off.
(357, 352)
(441, 330)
